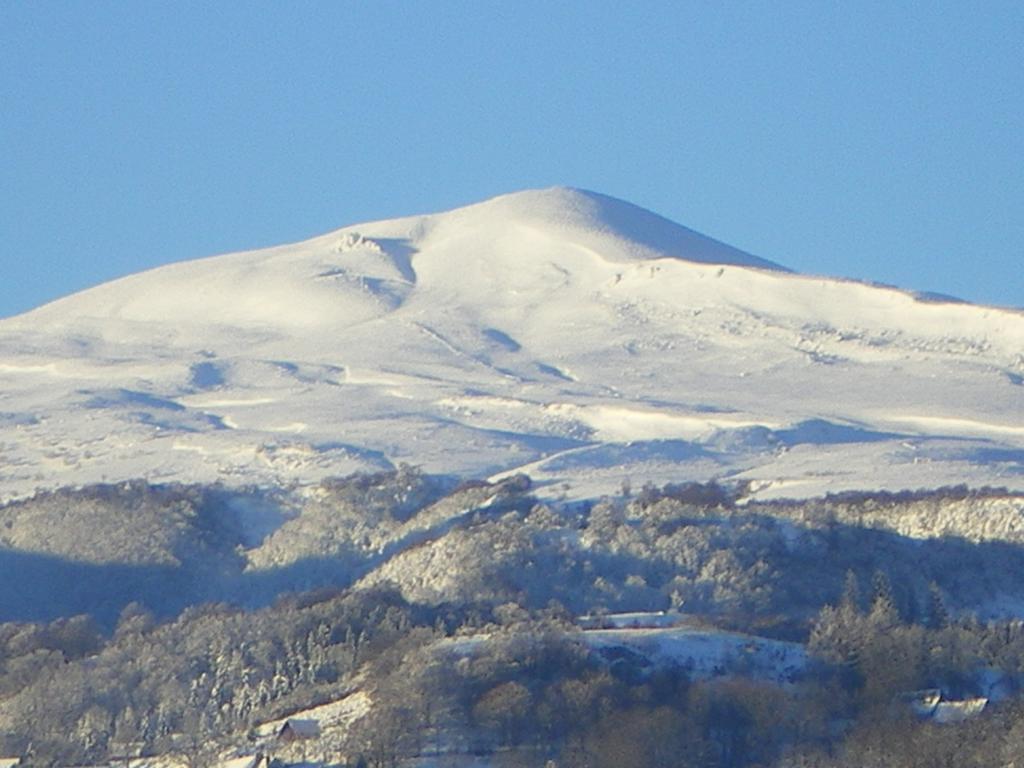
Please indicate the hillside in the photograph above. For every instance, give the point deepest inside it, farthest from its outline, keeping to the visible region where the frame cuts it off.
(559, 332)
(548, 479)
(409, 622)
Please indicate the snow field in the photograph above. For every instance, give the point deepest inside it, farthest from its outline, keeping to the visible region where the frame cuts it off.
(558, 331)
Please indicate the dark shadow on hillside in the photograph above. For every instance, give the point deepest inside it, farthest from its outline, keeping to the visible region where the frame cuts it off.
(401, 252)
(40, 587)
(207, 375)
(824, 432)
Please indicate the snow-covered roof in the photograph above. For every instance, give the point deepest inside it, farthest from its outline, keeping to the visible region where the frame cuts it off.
(245, 761)
(301, 728)
(958, 711)
(922, 703)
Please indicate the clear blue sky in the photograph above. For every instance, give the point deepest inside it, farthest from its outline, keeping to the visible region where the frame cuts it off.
(875, 140)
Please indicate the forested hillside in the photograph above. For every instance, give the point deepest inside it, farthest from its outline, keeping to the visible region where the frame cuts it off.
(675, 626)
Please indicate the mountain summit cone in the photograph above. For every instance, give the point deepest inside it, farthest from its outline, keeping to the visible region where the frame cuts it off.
(305, 284)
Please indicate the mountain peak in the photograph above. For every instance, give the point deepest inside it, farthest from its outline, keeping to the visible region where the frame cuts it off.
(558, 332)
(583, 216)
(324, 281)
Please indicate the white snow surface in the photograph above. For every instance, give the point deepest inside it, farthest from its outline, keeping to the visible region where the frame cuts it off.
(336, 714)
(704, 652)
(559, 332)
(707, 653)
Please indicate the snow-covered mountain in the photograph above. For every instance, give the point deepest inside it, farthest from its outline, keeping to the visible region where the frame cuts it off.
(559, 332)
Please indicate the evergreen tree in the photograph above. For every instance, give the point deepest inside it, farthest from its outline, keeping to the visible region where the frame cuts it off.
(850, 600)
(884, 612)
(938, 615)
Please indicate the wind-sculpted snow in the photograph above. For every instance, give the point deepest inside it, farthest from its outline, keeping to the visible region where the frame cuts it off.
(561, 332)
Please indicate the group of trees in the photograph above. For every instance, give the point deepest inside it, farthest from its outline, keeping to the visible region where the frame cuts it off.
(876, 651)
(75, 696)
(532, 692)
(454, 611)
(489, 679)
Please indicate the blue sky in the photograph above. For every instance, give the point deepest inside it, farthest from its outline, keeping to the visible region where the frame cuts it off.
(875, 140)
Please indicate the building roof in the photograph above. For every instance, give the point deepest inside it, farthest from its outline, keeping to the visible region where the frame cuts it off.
(300, 729)
(958, 711)
(922, 703)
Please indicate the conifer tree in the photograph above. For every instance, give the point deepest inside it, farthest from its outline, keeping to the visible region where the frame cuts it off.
(883, 603)
(850, 600)
(938, 615)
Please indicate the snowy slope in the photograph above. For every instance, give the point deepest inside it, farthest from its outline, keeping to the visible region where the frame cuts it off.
(559, 332)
